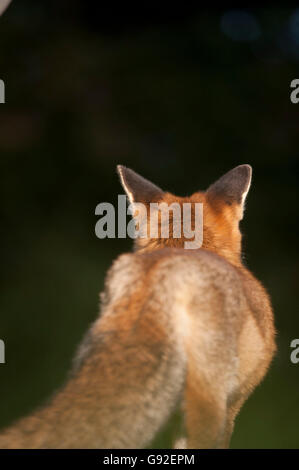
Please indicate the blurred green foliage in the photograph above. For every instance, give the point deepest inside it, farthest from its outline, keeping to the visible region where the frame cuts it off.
(181, 103)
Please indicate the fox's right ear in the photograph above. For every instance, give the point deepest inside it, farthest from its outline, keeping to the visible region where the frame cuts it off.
(232, 188)
(138, 189)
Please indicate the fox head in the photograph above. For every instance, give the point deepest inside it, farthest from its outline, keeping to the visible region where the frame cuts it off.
(221, 207)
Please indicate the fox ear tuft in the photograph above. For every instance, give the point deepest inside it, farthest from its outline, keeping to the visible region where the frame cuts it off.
(138, 189)
(232, 188)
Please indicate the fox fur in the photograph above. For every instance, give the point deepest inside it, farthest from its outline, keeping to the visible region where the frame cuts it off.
(187, 330)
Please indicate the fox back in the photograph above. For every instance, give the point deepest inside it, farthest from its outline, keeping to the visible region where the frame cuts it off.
(181, 332)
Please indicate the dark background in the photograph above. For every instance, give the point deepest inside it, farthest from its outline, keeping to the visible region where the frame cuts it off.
(179, 95)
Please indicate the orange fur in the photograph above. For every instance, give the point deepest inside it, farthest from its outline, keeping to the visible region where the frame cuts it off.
(188, 330)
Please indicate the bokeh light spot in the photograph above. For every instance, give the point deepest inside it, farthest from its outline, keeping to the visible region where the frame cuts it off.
(240, 25)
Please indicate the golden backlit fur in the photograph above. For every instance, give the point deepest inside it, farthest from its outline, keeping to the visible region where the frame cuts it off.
(187, 330)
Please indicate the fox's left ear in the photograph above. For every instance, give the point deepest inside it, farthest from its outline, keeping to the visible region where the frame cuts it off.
(231, 188)
(138, 189)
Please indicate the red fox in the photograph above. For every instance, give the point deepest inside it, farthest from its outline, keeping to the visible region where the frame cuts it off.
(188, 330)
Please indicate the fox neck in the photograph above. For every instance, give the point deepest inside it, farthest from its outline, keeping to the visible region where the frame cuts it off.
(150, 245)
